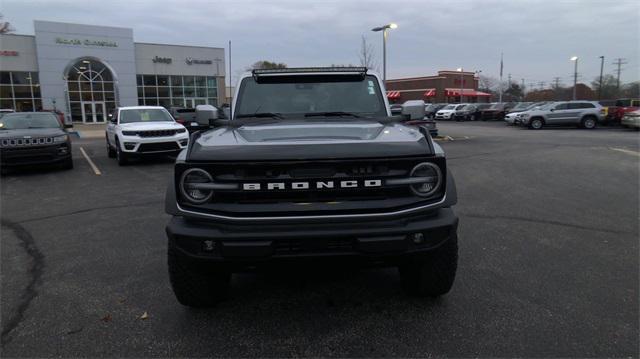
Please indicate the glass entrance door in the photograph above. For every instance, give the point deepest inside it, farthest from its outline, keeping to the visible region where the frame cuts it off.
(93, 112)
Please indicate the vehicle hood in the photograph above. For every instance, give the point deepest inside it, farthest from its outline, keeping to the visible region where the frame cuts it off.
(301, 140)
(33, 132)
(150, 126)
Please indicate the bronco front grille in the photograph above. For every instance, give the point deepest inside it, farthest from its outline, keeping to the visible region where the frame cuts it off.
(361, 186)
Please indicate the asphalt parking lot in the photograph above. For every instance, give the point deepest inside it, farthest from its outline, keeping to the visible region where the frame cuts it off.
(548, 264)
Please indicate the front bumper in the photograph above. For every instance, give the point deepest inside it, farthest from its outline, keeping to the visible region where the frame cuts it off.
(35, 155)
(631, 121)
(443, 116)
(242, 245)
(151, 145)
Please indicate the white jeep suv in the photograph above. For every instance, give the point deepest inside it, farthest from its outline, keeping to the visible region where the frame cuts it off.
(139, 130)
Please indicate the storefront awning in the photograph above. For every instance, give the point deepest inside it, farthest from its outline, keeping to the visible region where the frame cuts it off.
(465, 92)
(430, 93)
(392, 95)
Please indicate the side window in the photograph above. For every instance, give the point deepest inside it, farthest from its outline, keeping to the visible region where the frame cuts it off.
(114, 115)
(562, 106)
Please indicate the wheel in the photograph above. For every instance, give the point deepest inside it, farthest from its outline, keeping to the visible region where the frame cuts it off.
(589, 123)
(194, 286)
(67, 164)
(111, 153)
(121, 156)
(431, 274)
(536, 124)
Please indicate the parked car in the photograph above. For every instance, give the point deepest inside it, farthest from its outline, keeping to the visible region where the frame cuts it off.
(375, 190)
(512, 117)
(136, 131)
(584, 114)
(430, 110)
(496, 111)
(467, 112)
(187, 118)
(33, 138)
(622, 106)
(446, 113)
(631, 119)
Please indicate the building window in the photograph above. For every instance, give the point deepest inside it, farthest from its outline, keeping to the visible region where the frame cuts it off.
(175, 90)
(91, 91)
(20, 91)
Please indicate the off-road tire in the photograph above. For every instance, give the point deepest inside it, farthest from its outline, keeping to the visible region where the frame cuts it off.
(111, 153)
(431, 274)
(589, 122)
(122, 157)
(539, 123)
(193, 285)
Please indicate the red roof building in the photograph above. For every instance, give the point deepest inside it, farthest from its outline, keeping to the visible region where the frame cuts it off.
(437, 89)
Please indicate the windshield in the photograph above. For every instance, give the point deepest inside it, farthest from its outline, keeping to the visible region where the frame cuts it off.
(145, 115)
(13, 121)
(522, 106)
(449, 107)
(315, 94)
(496, 106)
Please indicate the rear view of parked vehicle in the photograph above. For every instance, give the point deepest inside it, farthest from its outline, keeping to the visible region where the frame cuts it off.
(466, 113)
(631, 119)
(584, 114)
(136, 131)
(497, 111)
(33, 138)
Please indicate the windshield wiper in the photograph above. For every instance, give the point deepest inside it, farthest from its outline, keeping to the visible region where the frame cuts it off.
(330, 114)
(260, 114)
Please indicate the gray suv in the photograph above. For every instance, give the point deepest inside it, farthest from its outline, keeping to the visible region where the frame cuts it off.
(584, 114)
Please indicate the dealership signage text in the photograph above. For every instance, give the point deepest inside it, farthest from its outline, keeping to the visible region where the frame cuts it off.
(86, 42)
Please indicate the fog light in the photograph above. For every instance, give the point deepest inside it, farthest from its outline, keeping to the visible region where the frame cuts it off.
(184, 142)
(62, 151)
(208, 246)
(417, 238)
(129, 145)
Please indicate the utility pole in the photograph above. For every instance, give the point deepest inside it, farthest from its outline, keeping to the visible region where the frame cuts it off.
(556, 81)
(619, 62)
(600, 83)
(522, 88)
(501, 67)
(541, 84)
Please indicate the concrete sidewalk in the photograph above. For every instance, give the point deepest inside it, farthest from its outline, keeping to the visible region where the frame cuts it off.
(83, 130)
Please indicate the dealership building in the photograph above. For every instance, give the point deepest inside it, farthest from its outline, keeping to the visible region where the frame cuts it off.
(86, 71)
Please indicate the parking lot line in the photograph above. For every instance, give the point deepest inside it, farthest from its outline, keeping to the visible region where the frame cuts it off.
(93, 165)
(634, 153)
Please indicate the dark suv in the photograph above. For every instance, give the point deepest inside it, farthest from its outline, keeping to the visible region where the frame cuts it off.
(312, 168)
(33, 138)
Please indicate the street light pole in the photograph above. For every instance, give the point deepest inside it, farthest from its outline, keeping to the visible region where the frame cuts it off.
(600, 83)
(575, 75)
(461, 82)
(384, 30)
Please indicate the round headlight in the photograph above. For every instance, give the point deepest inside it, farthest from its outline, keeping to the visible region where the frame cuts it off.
(432, 179)
(189, 182)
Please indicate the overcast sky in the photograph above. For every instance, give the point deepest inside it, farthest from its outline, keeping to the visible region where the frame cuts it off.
(537, 37)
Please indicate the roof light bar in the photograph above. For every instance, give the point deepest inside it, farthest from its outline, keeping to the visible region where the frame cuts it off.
(257, 72)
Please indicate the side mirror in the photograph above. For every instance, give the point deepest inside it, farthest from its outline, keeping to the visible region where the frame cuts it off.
(413, 110)
(206, 115)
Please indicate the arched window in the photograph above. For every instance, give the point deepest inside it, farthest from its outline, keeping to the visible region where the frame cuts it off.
(91, 90)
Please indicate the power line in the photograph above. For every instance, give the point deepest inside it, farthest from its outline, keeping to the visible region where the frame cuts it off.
(556, 81)
(619, 62)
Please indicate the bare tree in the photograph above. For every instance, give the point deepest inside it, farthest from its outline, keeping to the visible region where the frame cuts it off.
(487, 84)
(266, 65)
(366, 55)
(5, 26)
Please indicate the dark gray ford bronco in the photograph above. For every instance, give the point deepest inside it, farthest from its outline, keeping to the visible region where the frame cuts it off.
(310, 168)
